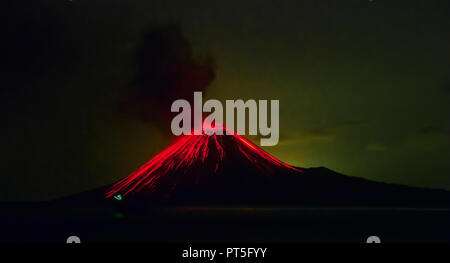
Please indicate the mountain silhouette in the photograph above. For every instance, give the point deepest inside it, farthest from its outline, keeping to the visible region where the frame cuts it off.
(230, 170)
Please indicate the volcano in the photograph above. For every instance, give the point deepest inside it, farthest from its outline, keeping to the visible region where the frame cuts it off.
(211, 169)
(206, 167)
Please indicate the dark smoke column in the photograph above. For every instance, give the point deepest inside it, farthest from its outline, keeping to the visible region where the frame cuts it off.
(166, 70)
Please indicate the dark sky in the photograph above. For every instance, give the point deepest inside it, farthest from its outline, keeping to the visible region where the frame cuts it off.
(364, 86)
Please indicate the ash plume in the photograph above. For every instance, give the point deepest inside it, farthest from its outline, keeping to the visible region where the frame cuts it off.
(167, 70)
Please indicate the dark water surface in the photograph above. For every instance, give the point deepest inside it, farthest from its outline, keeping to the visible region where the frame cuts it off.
(32, 223)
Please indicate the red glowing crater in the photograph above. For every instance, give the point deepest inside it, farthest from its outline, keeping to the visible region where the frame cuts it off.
(194, 157)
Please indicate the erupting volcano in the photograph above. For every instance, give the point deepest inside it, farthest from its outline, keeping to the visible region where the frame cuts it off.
(196, 160)
(216, 170)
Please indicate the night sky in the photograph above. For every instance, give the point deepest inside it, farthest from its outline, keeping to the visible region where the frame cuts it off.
(364, 86)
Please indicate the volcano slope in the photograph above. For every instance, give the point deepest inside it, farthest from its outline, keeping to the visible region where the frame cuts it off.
(229, 170)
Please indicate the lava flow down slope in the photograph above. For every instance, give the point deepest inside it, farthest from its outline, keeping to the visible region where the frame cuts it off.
(204, 168)
(230, 170)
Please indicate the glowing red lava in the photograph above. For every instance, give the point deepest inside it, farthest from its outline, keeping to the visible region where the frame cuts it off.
(192, 150)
